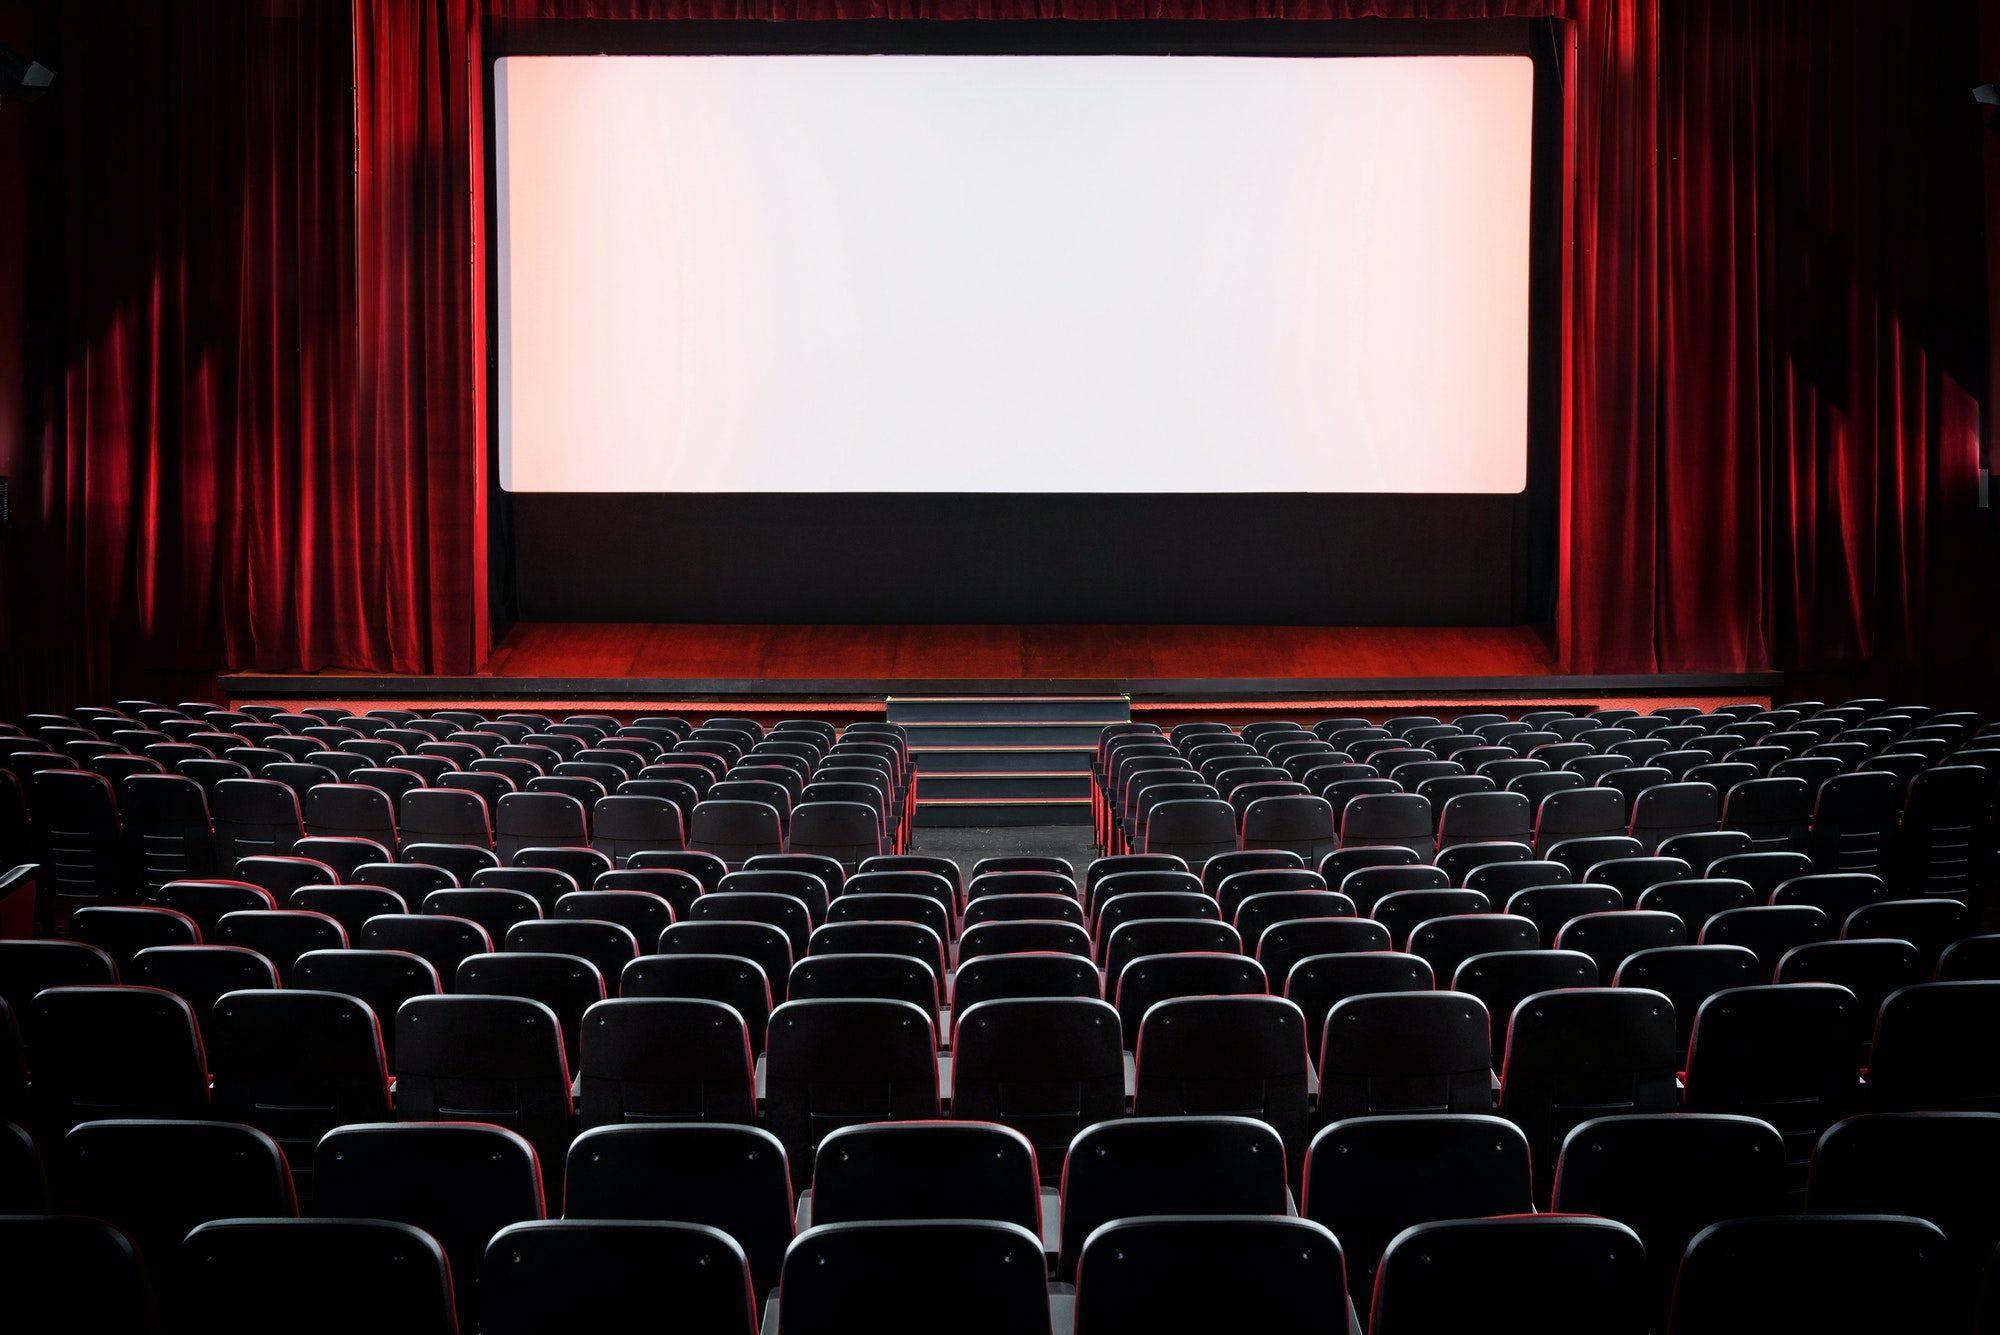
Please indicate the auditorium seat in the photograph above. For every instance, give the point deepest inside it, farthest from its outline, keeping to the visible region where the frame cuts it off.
(1553, 1274)
(1024, 974)
(1152, 979)
(1931, 1051)
(1828, 1273)
(1198, 1165)
(1694, 902)
(493, 909)
(653, 1059)
(1765, 872)
(156, 1180)
(833, 1063)
(925, 1170)
(861, 976)
(581, 864)
(1317, 983)
(897, 1277)
(1401, 911)
(1585, 1050)
(297, 1063)
(1369, 1178)
(83, 1269)
(1284, 944)
(1003, 938)
(1271, 907)
(1702, 848)
(1229, 893)
(122, 933)
(1609, 938)
(1768, 931)
(254, 816)
(1405, 1052)
(411, 880)
(1499, 880)
(605, 945)
(1549, 907)
(495, 1059)
(1225, 1055)
(444, 816)
(74, 823)
(1581, 853)
(592, 1275)
(1781, 1053)
(1578, 813)
(200, 974)
(1935, 1166)
(1446, 943)
(460, 1182)
(168, 836)
(1688, 976)
(384, 979)
(545, 885)
(1928, 924)
(102, 1051)
(281, 935)
(1836, 894)
(1301, 824)
(1855, 824)
(733, 981)
(1633, 876)
(343, 853)
(1269, 1273)
(760, 943)
(1667, 1177)
(735, 831)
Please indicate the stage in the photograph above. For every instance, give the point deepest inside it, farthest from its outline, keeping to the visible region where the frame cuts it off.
(1165, 669)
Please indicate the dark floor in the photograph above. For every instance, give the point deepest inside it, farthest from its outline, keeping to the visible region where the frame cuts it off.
(967, 846)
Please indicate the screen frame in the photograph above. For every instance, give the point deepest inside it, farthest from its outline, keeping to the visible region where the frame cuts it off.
(1535, 509)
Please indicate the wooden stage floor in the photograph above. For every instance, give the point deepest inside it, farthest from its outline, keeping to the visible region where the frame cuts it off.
(612, 667)
(1036, 652)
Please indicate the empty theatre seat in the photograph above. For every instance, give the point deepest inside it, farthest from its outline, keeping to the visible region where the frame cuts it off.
(1825, 1272)
(1271, 1273)
(1369, 1178)
(729, 1178)
(897, 1277)
(555, 1274)
(652, 1059)
(459, 1182)
(1553, 1274)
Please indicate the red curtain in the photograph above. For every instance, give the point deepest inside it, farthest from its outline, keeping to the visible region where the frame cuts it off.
(1775, 340)
(260, 443)
(264, 440)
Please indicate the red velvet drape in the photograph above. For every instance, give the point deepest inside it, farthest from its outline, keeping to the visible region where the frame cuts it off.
(264, 440)
(1774, 341)
(260, 443)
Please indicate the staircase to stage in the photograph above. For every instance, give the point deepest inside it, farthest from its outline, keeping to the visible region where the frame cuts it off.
(1007, 759)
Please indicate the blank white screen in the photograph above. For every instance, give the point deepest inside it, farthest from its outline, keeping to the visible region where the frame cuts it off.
(1013, 273)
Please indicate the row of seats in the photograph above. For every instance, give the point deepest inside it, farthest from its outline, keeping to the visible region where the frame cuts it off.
(1902, 793)
(108, 812)
(1415, 1224)
(868, 1008)
(845, 1018)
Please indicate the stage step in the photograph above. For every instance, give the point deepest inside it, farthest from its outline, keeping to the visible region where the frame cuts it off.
(992, 759)
(1004, 785)
(1004, 760)
(1093, 709)
(1028, 730)
(972, 812)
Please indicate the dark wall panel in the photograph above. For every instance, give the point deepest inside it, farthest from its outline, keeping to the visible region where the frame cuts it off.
(1250, 559)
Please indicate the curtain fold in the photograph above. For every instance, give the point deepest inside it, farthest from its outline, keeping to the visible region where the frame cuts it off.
(1775, 338)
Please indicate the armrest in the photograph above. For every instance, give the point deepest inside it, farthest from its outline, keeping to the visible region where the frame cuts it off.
(20, 902)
